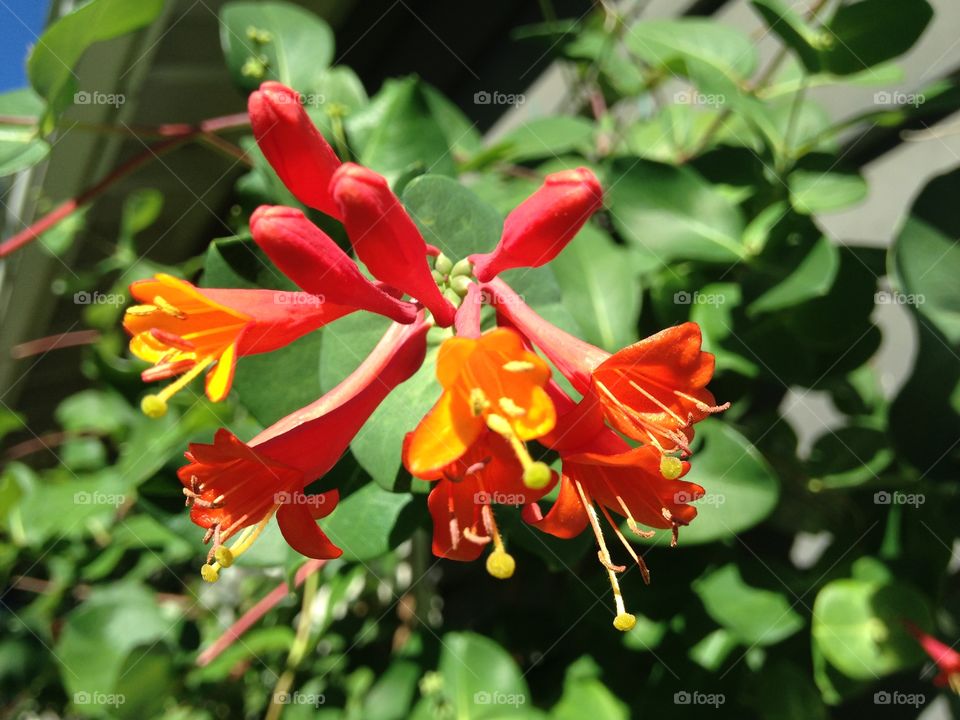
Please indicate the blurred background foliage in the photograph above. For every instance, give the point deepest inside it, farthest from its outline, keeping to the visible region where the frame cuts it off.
(815, 540)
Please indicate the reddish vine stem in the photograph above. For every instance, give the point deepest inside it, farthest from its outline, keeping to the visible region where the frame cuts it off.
(176, 133)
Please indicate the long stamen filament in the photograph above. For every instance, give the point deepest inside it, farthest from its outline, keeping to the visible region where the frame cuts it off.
(623, 621)
(225, 556)
(155, 406)
(500, 563)
(536, 474)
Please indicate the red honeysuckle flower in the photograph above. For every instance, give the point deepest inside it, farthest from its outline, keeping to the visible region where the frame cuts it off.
(541, 226)
(461, 502)
(652, 391)
(184, 330)
(293, 146)
(945, 657)
(236, 487)
(599, 469)
(491, 384)
(310, 258)
(385, 238)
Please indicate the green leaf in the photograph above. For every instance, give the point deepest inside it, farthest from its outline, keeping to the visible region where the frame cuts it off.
(821, 192)
(673, 213)
(787, 693)
(480, 679)
(108, 626)
(452, 217)
(858, 626)
(869, 32)
(548, 138)
(397, 132)
(741, 488)
(588, 697)
(792, 29)
(95, 411)
(275, 41)
(849, 456)
(60, 47)
(391, 696)
(686, 45)
(925, 259)
(754, 616)
(373, 521)
(21, 146)
(600, 288)
(811, 278)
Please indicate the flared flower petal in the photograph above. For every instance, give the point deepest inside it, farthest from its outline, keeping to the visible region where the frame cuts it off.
(385, 238)
(293, 146)
(235, 486)
(945, 657)
(542, 225)
(310, 258)
(183, 330)
(491, 381)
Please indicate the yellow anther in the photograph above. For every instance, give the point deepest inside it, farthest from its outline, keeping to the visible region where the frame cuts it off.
(500, 564)
(169, 308)
(142, 309)
(671, 467)
(536, 476)
(153, 406)
(518, 366)
(624, 622)
(478, 402)
(224, 556)
(209, 573)
(511, 408)
(954, 682)
(500, 425)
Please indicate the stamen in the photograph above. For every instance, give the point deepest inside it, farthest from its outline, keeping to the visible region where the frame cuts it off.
(631, 521)
(165, 370)
(536, 474)
(155, 406)
(169, 308)
(478, 402)
(678, 438)
(518, 366)
(473, 537)
(623, 621)
(954, 681)
(644, 570)
(140, 310)
(500, 563)
(211, 573)
(169, 338)
(511, 408)
(701, 405)
(655, 400)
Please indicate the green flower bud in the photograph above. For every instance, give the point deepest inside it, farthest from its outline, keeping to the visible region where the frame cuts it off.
(443, 264)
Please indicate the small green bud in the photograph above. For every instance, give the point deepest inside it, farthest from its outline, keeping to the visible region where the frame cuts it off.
(454, 299)
(438, 277)
(463, 267)
(443, 264)
(460, 284)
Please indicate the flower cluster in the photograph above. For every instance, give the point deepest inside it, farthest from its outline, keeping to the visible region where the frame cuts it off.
(622, 442)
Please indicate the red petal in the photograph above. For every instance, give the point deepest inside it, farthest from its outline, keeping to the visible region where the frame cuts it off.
(291, 143)
(542, 225)
(303, 534)
(385, 238)
(566, 519)
(311, 259)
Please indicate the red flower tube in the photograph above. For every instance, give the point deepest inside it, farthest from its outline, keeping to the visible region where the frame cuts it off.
(293, 146)
(541, 226)
(236, 487)
(310, 258)
(945, 657)
(184, 330)
(385, 238)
